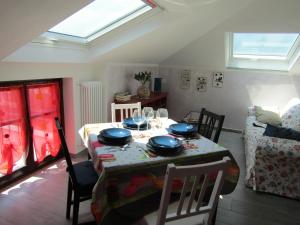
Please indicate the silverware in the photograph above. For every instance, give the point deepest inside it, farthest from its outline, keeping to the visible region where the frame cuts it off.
(124, 147)
(146, 154)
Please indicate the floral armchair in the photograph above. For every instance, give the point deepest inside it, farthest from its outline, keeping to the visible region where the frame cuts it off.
(273, 164)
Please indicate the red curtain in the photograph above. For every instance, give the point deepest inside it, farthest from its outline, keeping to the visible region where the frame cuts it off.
(151, 3)
(44, 106)
(13, 138)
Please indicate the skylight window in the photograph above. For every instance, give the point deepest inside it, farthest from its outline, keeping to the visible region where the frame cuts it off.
(269, 51)
(99, 16)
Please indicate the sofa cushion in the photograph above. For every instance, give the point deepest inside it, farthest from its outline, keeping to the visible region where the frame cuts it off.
(266, 116)
(291, 118)
(282, 132)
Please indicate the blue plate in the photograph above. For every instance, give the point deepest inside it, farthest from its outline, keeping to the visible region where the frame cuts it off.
(165, 142)
(129, 123)
(165, 152)
(182, 128)
(115, 136)
(115, 133)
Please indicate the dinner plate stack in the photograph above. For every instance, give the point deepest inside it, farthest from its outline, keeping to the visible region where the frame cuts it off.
(115, 136)
(131, 125)
(165, 145)
(182, 129)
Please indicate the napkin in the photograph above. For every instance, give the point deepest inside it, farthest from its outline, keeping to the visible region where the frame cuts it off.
(107, 157)
(96, 144)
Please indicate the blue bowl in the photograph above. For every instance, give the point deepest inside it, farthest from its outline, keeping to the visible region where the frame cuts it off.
(165, 142)
(182, 129)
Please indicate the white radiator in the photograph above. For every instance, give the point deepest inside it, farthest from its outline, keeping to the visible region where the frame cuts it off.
(91, 102)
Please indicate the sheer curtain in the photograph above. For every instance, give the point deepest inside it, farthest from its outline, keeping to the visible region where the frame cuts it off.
(13, 136)
(44, 106)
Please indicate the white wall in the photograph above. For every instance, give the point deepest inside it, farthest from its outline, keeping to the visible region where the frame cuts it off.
(242, 88)
(118, 77)
(73, 74)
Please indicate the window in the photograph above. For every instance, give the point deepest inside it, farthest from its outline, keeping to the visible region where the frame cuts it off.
(28, 135)
(269, 51)
(99, 17)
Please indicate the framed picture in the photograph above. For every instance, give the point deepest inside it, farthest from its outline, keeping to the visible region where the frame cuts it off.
(185, 79)
(218, 78)
(201, 84)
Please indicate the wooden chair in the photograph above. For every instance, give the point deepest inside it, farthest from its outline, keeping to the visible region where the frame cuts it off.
(125, 110)
(82, 179)
(192, 174)
(210, 123)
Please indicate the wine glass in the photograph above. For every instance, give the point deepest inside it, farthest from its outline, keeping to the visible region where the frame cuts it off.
(149, 114)
(138, 118)
(162, 115)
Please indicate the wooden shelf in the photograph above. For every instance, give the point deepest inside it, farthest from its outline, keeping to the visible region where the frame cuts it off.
(156, 100)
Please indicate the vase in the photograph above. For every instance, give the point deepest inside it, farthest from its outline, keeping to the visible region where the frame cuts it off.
(143, 91)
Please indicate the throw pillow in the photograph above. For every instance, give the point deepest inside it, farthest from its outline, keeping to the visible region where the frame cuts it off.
(282, 132)
(291, 117)
(265, 116)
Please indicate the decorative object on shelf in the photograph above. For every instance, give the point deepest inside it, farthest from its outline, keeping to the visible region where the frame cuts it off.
(123, 96)
(157, 84)
(143, 91)
(218, 78)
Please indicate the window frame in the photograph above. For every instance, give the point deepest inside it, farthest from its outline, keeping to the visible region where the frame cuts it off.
(277, 63)
(32, 165)
(132, 16)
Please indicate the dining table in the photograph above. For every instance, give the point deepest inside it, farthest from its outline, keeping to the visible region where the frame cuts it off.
(130, 173)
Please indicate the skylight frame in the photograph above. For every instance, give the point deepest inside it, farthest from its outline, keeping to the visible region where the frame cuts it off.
(144, 10)
(257, 62)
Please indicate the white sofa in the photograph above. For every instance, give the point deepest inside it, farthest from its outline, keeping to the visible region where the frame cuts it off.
(273, 164)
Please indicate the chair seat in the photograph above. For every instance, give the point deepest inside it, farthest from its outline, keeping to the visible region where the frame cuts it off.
(86, 176)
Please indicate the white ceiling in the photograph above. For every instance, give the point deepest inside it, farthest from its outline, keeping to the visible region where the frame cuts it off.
(150, 40)
(23, 20)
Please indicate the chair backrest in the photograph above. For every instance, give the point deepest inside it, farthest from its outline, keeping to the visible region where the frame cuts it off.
(125, 110)
(210, 123)
(192, 176)
(66, 152)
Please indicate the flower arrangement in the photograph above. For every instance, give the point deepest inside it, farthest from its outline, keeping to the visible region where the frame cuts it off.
(143, 77)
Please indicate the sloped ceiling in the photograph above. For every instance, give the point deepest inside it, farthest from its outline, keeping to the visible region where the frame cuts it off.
(179, 26)
(21, 21)
(150, 41)
(208, 51)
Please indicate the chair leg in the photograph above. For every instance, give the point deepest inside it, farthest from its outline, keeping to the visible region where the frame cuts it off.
(213, 220)
(75, 208)
(69, 199)
(142, 221)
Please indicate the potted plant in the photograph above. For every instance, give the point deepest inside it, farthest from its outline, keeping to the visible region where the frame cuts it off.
(143, 90)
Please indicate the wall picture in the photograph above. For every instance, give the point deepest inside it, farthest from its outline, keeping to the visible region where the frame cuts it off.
(185, 79)
(201, 84)
(218, 78)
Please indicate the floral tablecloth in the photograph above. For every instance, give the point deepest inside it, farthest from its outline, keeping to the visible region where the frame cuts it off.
(133, 175)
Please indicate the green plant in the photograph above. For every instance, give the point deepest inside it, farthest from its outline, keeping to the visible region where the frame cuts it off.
(143, 77)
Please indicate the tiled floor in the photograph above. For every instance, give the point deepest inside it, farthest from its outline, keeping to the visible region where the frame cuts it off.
(40, 199)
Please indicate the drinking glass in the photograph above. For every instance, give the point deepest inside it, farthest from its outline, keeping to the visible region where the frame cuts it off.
(162, 115)
(138, 118)
(149, 114)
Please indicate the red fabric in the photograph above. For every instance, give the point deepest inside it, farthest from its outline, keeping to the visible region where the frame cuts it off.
(13, 138)
(96, 144)
(44, 106)
(151, 3)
